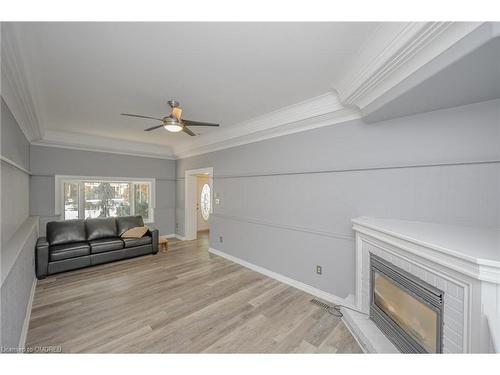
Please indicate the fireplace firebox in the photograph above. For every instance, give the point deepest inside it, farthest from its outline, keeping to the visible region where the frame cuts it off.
(408, 310)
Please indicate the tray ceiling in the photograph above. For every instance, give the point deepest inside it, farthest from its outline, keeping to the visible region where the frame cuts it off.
(67, 83)
(83, 75)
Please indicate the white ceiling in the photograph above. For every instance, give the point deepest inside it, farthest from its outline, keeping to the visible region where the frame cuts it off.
(83, 75)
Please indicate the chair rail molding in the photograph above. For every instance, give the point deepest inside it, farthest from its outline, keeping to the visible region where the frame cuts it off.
(317, 232)
(395, 51)
(7, 161)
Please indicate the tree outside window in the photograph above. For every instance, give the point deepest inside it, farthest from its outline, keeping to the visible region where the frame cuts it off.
(92, 199)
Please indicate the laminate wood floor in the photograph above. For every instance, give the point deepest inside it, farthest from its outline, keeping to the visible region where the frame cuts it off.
(182, 301)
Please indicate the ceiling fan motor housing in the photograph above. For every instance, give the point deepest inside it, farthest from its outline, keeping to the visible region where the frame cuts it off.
(173, 103)
(171, 120)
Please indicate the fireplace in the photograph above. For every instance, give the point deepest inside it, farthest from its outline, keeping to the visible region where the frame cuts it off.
(408, 310)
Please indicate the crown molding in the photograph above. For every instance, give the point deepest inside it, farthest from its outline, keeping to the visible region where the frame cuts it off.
(395, 51)
(16, 90)
(320, 111)
(323, 110)
(86, 142)
(480, 36)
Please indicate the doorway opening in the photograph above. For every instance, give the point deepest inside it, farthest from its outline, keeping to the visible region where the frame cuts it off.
(198, 203)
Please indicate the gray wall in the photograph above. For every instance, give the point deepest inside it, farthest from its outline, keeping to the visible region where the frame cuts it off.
(46, 162)
(15, 183)
(287, 203)
(17, 262)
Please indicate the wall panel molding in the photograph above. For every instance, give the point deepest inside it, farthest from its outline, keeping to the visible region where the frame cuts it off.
(28, 231)
(357, 169)
(53, 175)
(14, 164)
(340, 236)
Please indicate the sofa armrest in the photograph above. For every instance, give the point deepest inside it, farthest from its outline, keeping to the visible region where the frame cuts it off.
(155, 235)
(42, 257)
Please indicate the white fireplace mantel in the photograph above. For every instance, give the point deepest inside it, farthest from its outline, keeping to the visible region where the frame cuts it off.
(464, 262)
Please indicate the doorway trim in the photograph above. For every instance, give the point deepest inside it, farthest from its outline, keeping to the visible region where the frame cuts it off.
(191, 198)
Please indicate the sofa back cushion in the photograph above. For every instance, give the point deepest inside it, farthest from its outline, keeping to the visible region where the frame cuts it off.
(100, 228)
(127, 222)
(61, 232)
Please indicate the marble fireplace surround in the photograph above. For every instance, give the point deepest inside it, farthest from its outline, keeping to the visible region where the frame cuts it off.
(463, 262)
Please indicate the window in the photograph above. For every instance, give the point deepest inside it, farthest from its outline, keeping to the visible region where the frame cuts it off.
(205, 201)
(84, 198)
(70, 201)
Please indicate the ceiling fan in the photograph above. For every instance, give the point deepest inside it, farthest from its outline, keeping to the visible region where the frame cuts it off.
(173, 122)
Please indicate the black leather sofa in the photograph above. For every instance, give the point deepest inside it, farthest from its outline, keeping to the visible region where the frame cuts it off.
(73, 244)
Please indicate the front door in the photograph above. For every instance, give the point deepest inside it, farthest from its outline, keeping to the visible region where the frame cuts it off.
(203, 202)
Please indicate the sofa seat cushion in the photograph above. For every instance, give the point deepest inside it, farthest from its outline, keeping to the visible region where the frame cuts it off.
(105, 244)
(69, 250)
(131, 242)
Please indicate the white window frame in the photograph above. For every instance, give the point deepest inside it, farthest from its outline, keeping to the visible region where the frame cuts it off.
(60, 180)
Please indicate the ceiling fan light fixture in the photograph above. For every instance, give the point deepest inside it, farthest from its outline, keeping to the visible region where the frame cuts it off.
(172, 124)
(174, 128)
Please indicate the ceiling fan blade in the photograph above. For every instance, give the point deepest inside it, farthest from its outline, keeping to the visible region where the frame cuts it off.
(153, 128)
(198, 123)
(131, 115)
(187, 131)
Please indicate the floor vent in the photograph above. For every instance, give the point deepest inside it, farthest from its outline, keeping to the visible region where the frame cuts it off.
(333, 310)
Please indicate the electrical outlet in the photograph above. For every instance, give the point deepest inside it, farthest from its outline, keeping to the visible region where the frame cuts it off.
(176, 225)
(217, 201)
(221, 240)
(319, 269)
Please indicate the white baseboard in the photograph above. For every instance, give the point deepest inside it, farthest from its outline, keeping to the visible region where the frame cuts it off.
(284, 279)
(26, 323)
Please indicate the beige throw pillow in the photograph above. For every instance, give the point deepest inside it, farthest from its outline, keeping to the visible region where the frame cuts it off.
(136, 232)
